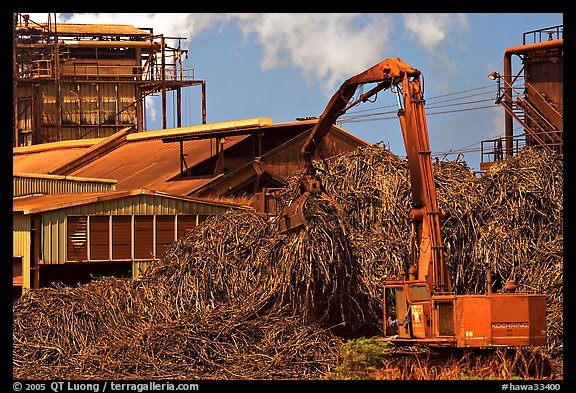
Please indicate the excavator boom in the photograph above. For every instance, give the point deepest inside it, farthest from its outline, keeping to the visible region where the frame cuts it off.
(388, 74)
(425, 307)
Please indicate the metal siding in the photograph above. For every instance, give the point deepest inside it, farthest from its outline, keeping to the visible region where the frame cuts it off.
(62, 238)
(54, 237)
(35, 185)
(127, 206)
(70, 105)
(547, 78)
(89, 104)
(136, 207)
(156, 206)
(148, 203)
(112, 206)
(127, 94)
(108, 103)
(48, 114)
(21, 244)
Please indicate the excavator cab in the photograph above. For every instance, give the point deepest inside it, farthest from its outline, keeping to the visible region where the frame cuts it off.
(508, 318)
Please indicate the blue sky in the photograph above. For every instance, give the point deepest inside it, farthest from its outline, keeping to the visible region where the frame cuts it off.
(286, 66)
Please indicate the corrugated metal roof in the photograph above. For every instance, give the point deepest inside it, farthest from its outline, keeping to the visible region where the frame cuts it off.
(150, 164)
(78, 29)
(41, 162)
(31, 204)
(41, 157)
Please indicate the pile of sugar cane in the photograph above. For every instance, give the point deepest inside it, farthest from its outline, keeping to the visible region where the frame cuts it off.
(235, 299)
(510, 219)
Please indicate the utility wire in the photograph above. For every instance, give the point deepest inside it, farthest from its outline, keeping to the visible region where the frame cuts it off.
(428, 100)
(363, 115)
(366, 115)
(364, 118)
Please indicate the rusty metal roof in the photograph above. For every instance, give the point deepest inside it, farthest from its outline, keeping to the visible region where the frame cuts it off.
(150, 164)
(40, 158)
(32, 204)
(86, 29)
(143, 160)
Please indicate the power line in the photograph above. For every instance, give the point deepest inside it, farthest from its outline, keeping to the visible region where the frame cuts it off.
(439, 107)
(364, 118)
(430, 99)
(363, 115)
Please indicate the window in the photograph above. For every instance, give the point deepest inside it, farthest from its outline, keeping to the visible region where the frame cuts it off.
(77, 238)
(100, 237)
(121, 237)
(143, 237)
(164, 233)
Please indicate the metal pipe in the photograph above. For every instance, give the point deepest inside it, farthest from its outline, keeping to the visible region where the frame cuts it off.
(203, 102)
(178, 107)
(517, 50)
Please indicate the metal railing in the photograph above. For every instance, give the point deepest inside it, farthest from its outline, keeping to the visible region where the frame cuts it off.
(525, 113)
(44, 69)
(545, 34)
(492, 150)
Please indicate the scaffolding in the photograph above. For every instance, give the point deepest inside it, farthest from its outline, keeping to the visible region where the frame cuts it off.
(82, 81)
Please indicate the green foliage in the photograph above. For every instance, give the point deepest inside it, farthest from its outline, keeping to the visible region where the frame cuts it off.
(467, 376)
(360, 357)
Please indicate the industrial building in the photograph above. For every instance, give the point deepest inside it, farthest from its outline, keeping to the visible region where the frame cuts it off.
(82, 81)
(79, 107)
(531, 91)
(110, 206)
(71, 238)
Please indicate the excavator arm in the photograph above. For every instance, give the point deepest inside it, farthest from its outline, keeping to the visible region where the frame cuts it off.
(391, 74)
(387, 74)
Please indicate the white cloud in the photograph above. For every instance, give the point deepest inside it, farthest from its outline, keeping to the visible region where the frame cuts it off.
(435, 33)
(431, 29)
(326, 47)
(151, 109)
(168, 24)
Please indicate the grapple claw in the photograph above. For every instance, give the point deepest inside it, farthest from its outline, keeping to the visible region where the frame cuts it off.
(292, 217)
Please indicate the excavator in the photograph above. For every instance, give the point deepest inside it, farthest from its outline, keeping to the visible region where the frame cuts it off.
(426, 308)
